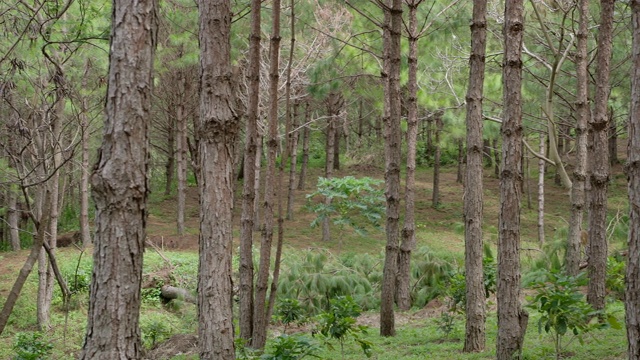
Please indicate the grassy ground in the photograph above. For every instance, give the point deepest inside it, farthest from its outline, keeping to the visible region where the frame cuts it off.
(419, 337)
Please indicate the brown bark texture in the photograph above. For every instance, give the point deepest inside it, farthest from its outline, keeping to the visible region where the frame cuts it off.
(260, 320)
(510, 314)
(475, 337)
(632, 294)
(578, 194)
(393, 161)
(599, 159)
(248, 188)
(218, 128)
(305, 148)
(120, 187)
(403, 287)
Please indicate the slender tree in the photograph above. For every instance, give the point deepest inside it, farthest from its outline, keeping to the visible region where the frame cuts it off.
(120, 187)
(260, 319)
(218, 127)
(599, 160)
(512, 319)
(473, 188)
(632, 293)
(248, 188)
(392, 146)
(578, 196)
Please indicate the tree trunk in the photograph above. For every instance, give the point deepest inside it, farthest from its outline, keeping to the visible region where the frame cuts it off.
(336, 143)
(181, 151)
(260, 320)
(257, 182)
(334, 105)
(218, 129)
(392, 145)
(170, 165)
(12, 220)
(305, 149)
(12, 298)
(511, 316)
(120, 187)
(403, 287)
(541, 168)
(435, 196)
(599, 158)
(459, 172)
(578, 196)
(294, 162)
(496, 158)
(632, 292)
(475, 337)
(613, 139)
(249, 186)
(85, 228)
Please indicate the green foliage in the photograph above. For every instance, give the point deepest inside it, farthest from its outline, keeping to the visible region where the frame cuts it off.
(31, 346)
(563, 309)
(616, 268)
(339, 323)
(154, 330)
(289, 311)
(313, 278)
(430, 275)
(447, 323)
(354, 202)
(291, 347)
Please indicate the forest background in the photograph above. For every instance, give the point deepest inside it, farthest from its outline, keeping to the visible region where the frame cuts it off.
(328, 101)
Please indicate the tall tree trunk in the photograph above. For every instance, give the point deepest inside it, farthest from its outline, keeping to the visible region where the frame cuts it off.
(218, 129)
(305, 148)
(181, 151)
(599, 158)
(12, 220)
(170, 165)
(496, 157)
(336, 143)
(632, 292)
(257, 182)
(403, 287)
(120, 187)
(248, 188)
(294, 163)
(392, 145)
(475, 337)
(541, 168)
(460, 165)
(578, 194)
(435, 195)
(85, 228)
(290, 133)
(512, 319)
(613, 139)
(333, 102)
(260, 320)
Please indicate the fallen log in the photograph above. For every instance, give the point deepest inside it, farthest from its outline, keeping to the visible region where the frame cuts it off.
(169, 292)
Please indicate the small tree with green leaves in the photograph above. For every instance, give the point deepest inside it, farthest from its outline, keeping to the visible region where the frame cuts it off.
(563, 309)
(291, 347)
(289, 311)
(353, 202)
(339, 323)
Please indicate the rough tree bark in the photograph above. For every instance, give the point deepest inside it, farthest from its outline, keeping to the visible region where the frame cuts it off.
(120, 187)
(219, 124)
(512, 319)
(578, 194)
(475, 337)
(599, 159)
(294, 162)
(181, 150)
(248, 188)
(260, 320)
(403, 286)
(334, 104)
(84, 174)
(632, 293)
(392, 146)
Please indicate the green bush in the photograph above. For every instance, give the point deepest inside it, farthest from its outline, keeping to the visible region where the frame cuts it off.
(31, 346)
(339, 323)
(291, 347)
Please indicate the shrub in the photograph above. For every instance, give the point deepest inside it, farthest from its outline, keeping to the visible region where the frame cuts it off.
(339, 323)
(31, 346)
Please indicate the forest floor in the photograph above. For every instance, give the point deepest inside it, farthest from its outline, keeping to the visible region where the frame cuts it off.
(440, 228)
